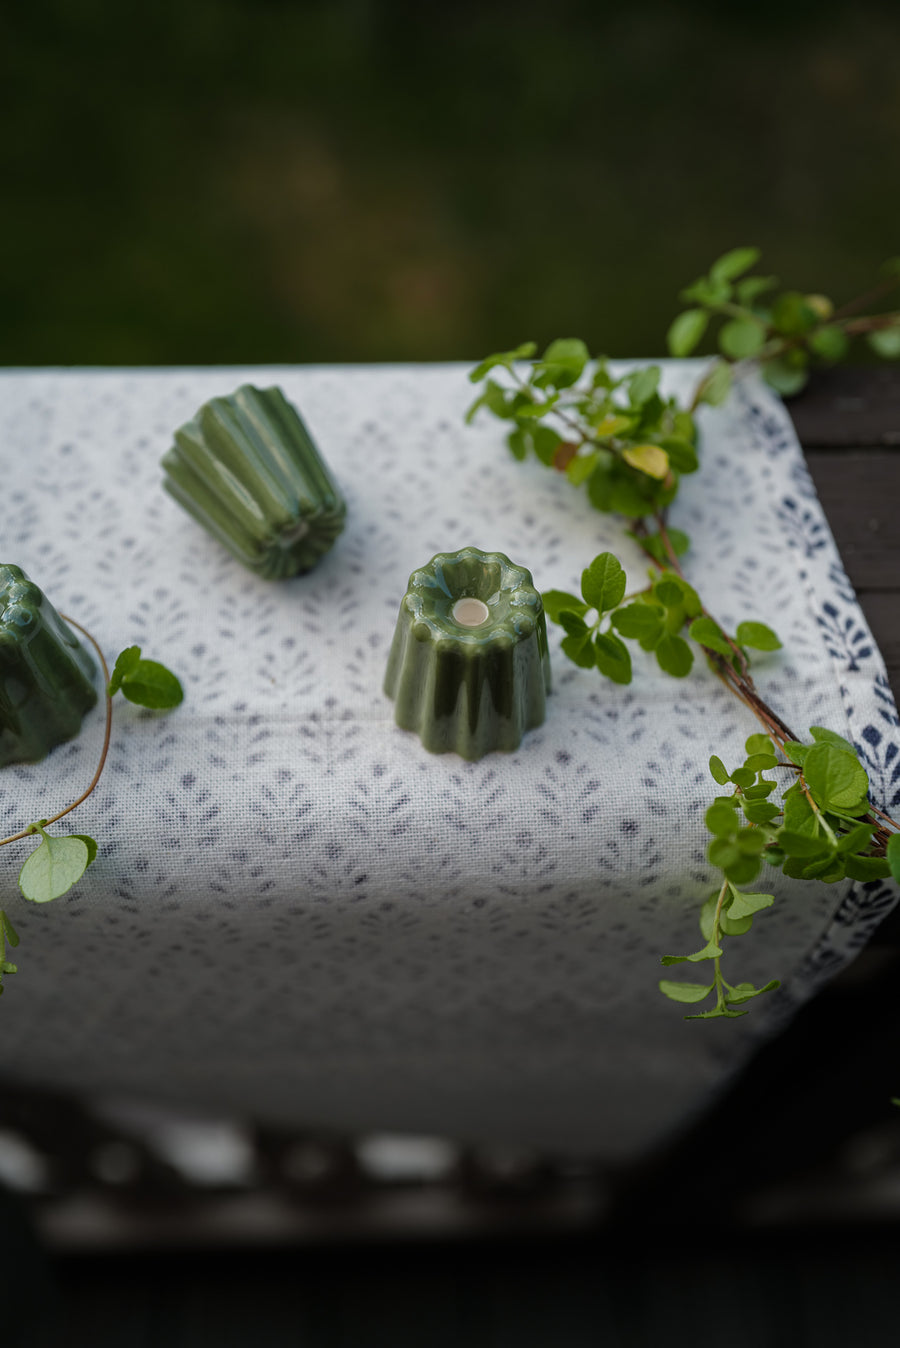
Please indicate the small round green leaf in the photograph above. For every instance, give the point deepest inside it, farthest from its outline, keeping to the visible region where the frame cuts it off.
(758, 744)
(867, 868)
(125, 662)
(893, 855)
(783, 378)
(760, 762)
(643, 384)
(751, 842)
(744, 991)
(683, 458)
(150, 684)
(573, 624)
(612, 657)
(829, 343)
(603, 582)
(518, 442)
(7, 930)
(742, 871)
(745, 905)
(757, 636)
(686, 331)
(668, 592)
(684, 992)
(710, 951)
(562, 363)
(557, 602)
(579, 469)
(734, 926)
(546, 442)
(886, 343)
(796, 752)
(674, 655)
(733, 263)
(719, 771)
(722, 852)
(505, 358)
(708, 633)
(821, 733)
(580, 650)
(638, 621)
(834, 777)
(759, 811)
(716, 386)
(53, 868)
(742, 338)
(90, 844)
(722, 819)
(792, 313)
(648, 459)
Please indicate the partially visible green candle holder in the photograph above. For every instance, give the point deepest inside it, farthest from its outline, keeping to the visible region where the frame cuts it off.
(247, 469)
(469, 667)
(46, 675)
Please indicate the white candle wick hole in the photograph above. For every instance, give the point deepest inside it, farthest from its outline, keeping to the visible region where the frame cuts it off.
(469, 612)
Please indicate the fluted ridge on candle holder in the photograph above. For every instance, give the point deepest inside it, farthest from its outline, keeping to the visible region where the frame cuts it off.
(469, 689)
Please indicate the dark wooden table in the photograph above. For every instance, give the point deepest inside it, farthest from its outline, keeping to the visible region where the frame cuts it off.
(849, 426)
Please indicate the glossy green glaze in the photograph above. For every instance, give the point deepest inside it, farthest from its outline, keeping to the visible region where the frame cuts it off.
(247, 469)
(46, 675)
(463, 684)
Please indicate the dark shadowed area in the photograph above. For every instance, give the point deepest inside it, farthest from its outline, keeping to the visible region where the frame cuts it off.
(348, 180)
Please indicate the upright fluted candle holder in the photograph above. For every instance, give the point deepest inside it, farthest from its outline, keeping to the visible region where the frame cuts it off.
(469, 667)
(247, 469)
(46, 675)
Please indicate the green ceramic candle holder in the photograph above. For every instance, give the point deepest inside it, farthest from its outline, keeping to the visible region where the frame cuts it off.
(46, 675)
(247, 469)
(469, 667)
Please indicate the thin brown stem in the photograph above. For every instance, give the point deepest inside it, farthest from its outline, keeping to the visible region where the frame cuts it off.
(873, 296)
(886, 817)
(676, 567)
(27, 832)
(874, 323)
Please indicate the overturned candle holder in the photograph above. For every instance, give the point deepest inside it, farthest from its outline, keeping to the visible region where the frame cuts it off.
(46, 675)
(247, 469)
(469, 667)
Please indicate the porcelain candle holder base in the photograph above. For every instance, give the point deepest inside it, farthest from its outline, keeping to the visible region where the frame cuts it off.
(247, 469)
(46, 675)
(469, 668)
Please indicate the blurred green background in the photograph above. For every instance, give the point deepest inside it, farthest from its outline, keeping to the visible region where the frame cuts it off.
(346, 180)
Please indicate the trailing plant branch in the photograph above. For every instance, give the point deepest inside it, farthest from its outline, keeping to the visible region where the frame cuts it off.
(786, 332)
(58, 862)
(628, 446)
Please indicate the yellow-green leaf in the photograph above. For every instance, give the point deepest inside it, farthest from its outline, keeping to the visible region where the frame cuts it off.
(611, 425)
(649, 459)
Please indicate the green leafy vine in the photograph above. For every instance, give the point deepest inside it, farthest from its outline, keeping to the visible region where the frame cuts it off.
(59, 861)
(628, 446)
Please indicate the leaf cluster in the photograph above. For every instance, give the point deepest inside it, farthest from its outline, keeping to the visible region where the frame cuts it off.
(786, 330)
(820, 830)
(618, 437)
(654, 618)
(144, 682)
(57, 863)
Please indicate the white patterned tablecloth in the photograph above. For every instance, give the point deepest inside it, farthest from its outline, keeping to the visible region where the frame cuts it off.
(300, 915)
